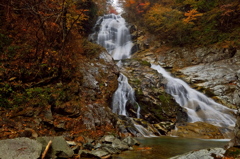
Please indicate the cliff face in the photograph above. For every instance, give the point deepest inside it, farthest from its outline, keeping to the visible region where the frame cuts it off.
(73, 109)
(215, 71)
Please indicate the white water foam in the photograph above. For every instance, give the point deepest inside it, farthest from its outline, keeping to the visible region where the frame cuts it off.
(199, 107)
(122, 95)
(114, 35)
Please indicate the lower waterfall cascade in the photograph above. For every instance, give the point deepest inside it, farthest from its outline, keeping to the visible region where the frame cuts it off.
(122, 95)
(112, 33)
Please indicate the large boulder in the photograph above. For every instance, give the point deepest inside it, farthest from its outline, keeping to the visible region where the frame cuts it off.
(59, 147)
(204, 153)
(20, 148)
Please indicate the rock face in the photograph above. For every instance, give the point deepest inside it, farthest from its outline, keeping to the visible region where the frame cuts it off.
(20, 148)
(80, 106)
(212, 70)
(204, 153)
(198, 130)
(156, 105)
(235, 142)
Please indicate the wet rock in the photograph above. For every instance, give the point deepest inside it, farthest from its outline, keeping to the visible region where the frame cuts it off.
(212, 68)
(198, 130)
(118, 144)
(236, 139)
(110, 149)
(96, 154)
(88, 146)
(204, 153)
(156, 105)
(106, 146)
(20, 148)
(233, 152)
(107, 139)
(59, 147)
(218, 78)
(164, 127)
(97, 115)
(131, 141)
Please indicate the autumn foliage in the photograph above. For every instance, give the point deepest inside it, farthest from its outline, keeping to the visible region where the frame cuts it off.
(188, 22)
(37, 38)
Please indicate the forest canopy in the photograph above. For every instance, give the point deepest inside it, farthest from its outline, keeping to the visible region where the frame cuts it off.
(42, 42)
(188, 22)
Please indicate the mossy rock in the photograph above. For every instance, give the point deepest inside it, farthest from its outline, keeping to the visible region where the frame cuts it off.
(233, 152)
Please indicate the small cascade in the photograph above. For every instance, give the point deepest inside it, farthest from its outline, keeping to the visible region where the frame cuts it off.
(122, 96)
(199, 107)
(113, 34)
(143, 131)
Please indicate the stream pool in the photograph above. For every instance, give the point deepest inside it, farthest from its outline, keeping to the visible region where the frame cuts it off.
(166, 147)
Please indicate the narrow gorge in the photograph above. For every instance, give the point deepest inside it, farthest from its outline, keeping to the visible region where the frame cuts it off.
(121, 79)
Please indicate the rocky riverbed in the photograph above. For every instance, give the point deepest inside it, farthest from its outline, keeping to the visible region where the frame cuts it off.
(58, 147)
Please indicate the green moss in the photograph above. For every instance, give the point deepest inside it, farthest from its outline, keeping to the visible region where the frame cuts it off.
(136, 81)
(165, 99)
(232, 152)
(145, 63)
(91, 49)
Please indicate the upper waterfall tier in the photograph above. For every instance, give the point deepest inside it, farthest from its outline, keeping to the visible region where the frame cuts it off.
(112, 33)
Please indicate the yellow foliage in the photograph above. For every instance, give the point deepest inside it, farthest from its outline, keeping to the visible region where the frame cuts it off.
(191, 16)
(161, 18)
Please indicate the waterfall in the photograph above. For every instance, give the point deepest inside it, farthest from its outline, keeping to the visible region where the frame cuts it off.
(199, 107)
(113, 34)
(122, 96)
(143, 131)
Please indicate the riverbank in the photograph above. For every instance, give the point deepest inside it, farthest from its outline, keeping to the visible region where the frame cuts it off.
(165, 147)
(58, 147)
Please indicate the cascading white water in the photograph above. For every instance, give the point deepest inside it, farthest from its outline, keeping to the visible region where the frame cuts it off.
(199, 107)
(122, 95)
(114, 35)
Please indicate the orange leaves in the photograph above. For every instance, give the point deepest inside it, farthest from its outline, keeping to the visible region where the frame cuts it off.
(142, 7)
(129, 3)
(138, 7)
(191, 16)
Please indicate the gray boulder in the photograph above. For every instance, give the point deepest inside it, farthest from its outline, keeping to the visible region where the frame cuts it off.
(118, 144)
(130, 141)
(202, 154)
(59, 147)
(20, 148)
(108, 139)
(95, 154)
